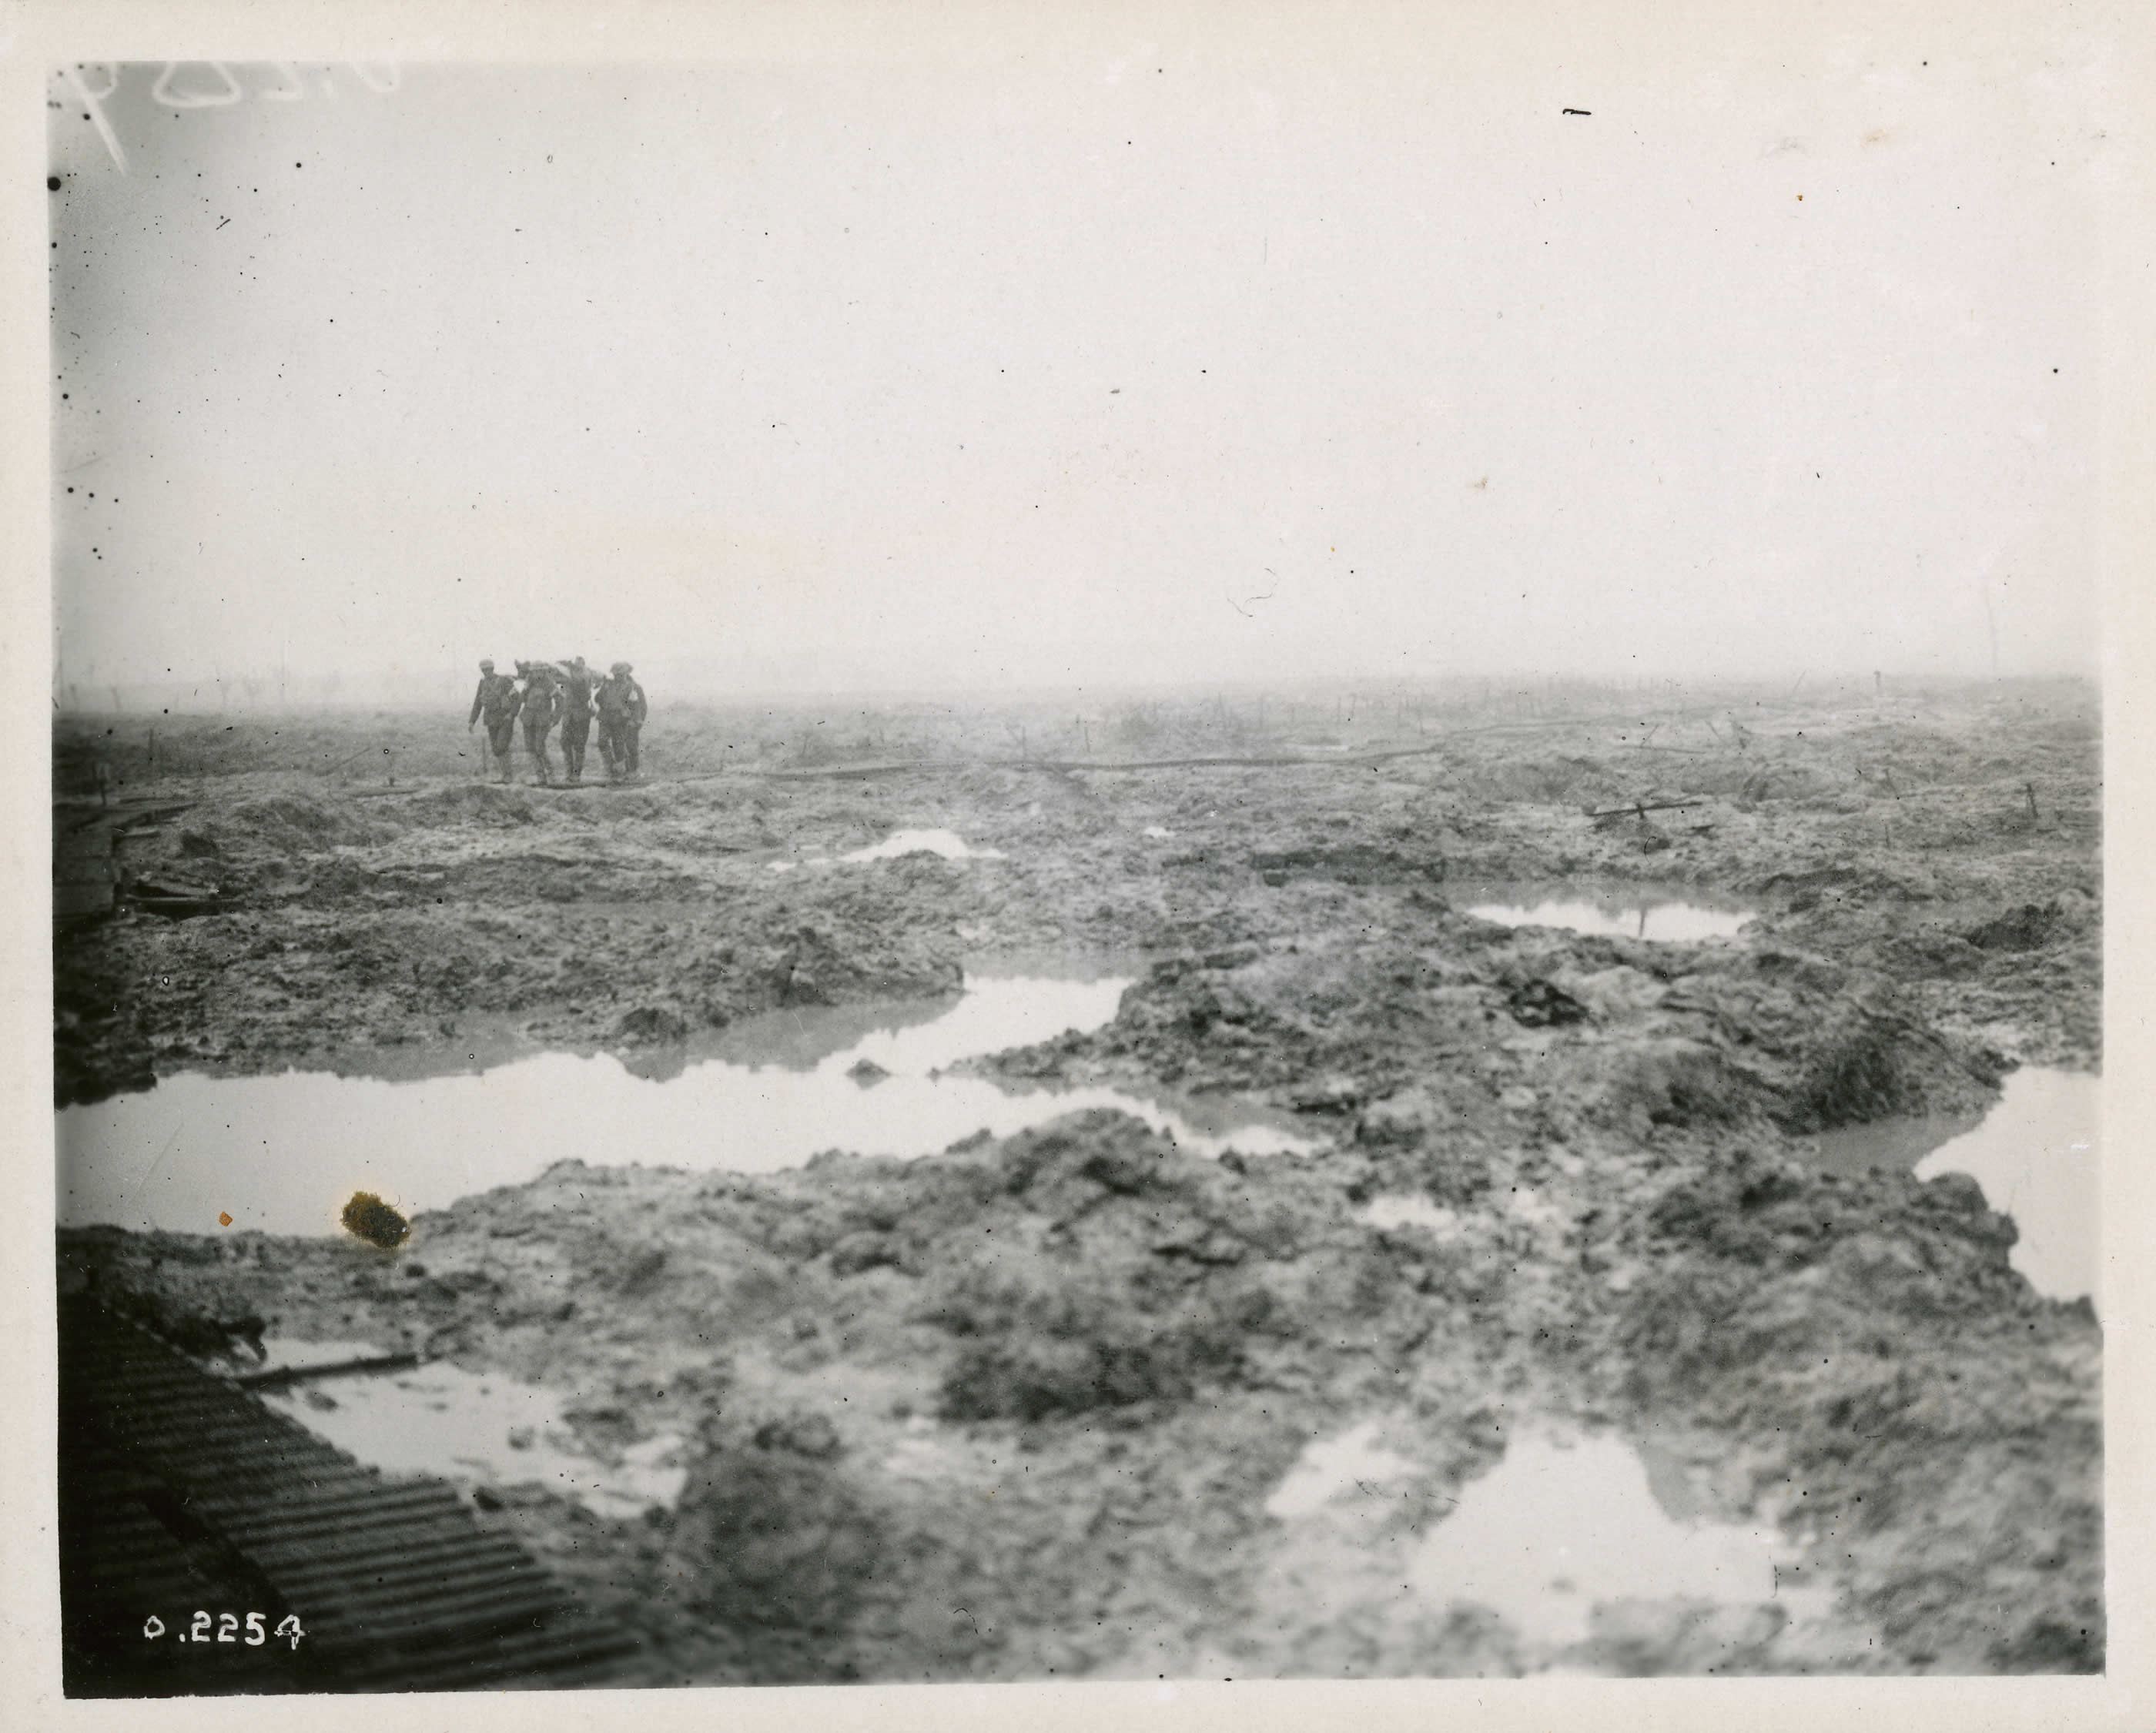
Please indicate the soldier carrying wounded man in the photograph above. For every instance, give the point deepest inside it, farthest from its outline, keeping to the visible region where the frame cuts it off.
(577, 687)
(498, 700)
(541, 707)
(622, 710)
(571, 693)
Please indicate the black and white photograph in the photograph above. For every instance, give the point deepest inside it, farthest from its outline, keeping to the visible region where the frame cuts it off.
(1221, 846)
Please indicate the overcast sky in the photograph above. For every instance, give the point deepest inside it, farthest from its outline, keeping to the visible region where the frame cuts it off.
(1167, 361)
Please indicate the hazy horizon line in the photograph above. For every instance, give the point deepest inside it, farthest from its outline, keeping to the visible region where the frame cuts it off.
(421, 693)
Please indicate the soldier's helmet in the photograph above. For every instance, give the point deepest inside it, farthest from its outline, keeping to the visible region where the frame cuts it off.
(486, 666)
(621, 668)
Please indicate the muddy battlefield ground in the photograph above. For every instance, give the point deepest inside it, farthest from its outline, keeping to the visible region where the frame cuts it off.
(1018, 1410)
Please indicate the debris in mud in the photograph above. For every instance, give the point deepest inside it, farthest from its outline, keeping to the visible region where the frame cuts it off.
(366, 1217)
(1328, 1094)
(655, 1024)
(2028, 928)
(1538, 1005)
(866, 1073)
(1352, 864)
(177, 900)
(811, 1435)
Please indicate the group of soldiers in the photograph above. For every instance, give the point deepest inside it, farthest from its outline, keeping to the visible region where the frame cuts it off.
(542, 694)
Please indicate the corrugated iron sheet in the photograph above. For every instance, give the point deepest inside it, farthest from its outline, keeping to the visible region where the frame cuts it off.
(180, 1491)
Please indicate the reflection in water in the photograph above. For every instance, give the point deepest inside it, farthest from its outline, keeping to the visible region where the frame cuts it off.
(282, 1153)
(1561, 1526)
(1675, 914)
(441, 1420)
(800, 1038)
(2035, 1154)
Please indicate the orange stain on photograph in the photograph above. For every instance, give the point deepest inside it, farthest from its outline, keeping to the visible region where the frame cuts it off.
(223, 1218)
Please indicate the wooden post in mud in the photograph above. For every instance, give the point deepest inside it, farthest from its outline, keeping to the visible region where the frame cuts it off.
(2029, 788)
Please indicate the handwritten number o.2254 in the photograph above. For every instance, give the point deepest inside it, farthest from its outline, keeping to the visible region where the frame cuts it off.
(227, 1628)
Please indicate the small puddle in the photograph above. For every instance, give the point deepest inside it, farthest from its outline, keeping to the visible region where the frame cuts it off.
(1563, 1526)
(902, 843)
(925, 1453)
(282, 1153)
(472, 1428)
(948, 844)
(1675, 914)
(1410, 1211)
(2036, 1154)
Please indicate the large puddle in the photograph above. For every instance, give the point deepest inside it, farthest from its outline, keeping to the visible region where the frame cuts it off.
(472, 1427)
(283, 1153)
(2036, 1154)
(1563, 1526)
(1673, 913)
(1568, 1527)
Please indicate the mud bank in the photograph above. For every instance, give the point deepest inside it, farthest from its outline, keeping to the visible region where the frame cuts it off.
(1950, 846)
(1019, 1410)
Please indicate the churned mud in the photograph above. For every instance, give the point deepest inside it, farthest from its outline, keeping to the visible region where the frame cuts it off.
(1080, 1403)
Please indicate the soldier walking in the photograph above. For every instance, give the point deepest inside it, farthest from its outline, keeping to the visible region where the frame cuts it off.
(498, 700)
(574, 696)
(622, 709)
(539, 710)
